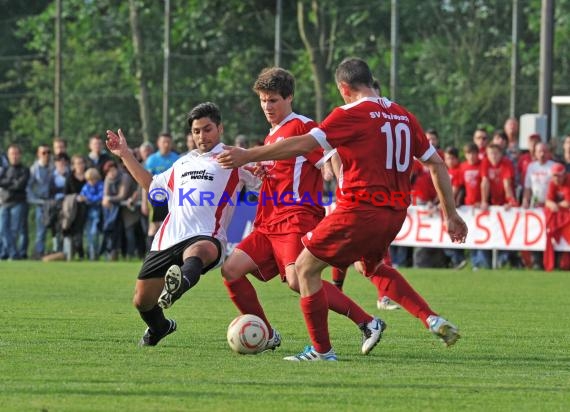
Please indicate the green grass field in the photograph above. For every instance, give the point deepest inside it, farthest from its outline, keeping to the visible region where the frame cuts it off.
(69, 333)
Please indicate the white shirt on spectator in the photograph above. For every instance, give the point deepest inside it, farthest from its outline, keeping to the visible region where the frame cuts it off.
(537, 179)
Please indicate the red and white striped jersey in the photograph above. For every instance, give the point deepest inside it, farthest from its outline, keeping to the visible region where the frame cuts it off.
(201, 197)
(292, 186)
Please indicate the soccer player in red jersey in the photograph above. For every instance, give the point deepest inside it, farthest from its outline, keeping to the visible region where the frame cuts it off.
(289, 207)
(375, 140)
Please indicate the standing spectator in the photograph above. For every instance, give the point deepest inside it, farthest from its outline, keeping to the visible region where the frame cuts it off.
(96, 156)
(111, 205)
(59, 146)
(497, 177)
(92, 195)
(537, 177)
(130, 195)
(470, 179)
(57, 193)
(557, 206)
(38, 192)
(424, 194)
(241, 141)
(481, 139)
(3, 166)
(536, 186)
(451, 159)
(527, 156)
(73, 230)
(156, 164)
(511, 130)
(190, 143)
(145, 150)
(13, 182)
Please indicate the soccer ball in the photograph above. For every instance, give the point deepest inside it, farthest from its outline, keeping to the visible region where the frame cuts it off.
(247, 334)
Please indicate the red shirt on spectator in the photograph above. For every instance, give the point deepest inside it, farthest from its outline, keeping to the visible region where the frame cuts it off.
(496, 175)
(559, 192)
(422, 185)
(470, 178)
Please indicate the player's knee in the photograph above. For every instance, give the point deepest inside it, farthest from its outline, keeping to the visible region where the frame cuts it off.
(230, 272)
(141, 303)
(293, 284)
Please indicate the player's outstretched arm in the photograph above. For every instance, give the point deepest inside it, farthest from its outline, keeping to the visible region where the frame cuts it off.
(456, 227)
(294, 146)
(117, 144)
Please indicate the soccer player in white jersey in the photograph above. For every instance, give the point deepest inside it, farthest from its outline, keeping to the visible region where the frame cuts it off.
(192, 238)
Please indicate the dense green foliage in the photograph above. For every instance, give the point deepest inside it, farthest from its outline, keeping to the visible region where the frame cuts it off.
(69, 336)
(454, 64)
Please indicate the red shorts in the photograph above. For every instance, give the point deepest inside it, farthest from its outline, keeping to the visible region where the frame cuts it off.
(271, 253)
(348, 235)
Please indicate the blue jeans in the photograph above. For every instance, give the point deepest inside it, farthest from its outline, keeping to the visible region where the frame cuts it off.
(481, 259)
(12, 224)
(92, 229)
(456, 255)
(41, 231)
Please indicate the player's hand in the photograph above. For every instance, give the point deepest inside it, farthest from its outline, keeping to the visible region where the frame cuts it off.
(456, 228)
(232, 157)
(117, 143)
(258, 170)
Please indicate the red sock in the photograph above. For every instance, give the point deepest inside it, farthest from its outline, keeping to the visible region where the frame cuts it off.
(243, 294)
(338, 276)
(343, 305)
(315, 310)
(391, 283)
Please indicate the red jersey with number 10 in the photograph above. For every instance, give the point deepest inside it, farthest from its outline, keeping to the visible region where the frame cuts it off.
(376, 141)
(292, 188)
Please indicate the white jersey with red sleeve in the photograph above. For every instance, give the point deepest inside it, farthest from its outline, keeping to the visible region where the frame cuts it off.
(376, 141)
(292, 187)
(201, 197)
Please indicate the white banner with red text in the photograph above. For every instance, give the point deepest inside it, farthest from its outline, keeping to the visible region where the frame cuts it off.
(495, 228)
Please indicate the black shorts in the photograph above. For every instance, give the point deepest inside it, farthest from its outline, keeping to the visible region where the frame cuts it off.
(159, 213)
(156, 263)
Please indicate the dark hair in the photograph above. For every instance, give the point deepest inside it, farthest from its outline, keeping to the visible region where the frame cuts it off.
(453, 151)
(275, 79)
(376, 86)
(165, 134)
(207, 109)
(354, 72)
(61, 156)
(471, 148)
(502, 135)
(432, 131)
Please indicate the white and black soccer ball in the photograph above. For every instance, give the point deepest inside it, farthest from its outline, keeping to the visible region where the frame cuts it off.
(247, 334)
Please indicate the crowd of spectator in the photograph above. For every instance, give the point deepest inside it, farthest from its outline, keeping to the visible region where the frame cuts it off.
(494, 172)
(88, 207)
